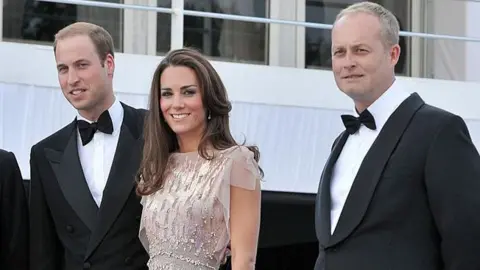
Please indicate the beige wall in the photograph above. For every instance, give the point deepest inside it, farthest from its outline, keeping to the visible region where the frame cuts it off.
(473, 48)
(446, 59)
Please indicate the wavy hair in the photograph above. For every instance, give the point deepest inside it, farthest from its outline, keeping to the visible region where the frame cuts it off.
(161, 141)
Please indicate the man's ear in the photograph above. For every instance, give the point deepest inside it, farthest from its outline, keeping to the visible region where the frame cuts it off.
(110, 64)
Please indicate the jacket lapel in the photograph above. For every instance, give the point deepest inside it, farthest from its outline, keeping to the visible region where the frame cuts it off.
(69, 174)
(372, 168)
(121, 179)
(323, 200)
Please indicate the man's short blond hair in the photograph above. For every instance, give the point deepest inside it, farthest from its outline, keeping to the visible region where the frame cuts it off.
(389, 26)
(102, 40)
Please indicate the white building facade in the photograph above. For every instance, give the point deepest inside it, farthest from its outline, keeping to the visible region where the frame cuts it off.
(284, 97)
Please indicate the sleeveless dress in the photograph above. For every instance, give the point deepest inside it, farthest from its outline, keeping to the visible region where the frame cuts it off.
(185, 225)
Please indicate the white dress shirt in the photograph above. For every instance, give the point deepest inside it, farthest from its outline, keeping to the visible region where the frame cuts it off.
(357, 146)
(96, 157)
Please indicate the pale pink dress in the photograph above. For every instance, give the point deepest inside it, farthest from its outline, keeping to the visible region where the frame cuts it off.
(185, 225)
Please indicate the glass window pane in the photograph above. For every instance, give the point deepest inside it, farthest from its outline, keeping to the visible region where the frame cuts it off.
(224, 40)
(163, 28)
(318, 41)
(37, 22)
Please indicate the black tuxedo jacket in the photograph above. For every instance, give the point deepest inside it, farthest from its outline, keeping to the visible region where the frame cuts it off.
(68, 231)
(414, 203)
(13, 215)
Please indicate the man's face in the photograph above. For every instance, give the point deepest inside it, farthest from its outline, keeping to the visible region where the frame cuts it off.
(361, 62)
(85, 79)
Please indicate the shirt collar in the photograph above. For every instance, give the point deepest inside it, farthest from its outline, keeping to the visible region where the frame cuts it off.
(386, 104)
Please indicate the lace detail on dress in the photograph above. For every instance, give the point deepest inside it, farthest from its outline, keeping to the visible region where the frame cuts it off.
(185, 224)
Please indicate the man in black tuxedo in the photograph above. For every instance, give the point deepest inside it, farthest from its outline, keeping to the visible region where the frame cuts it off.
(13, 215)
(401, 187)
(84, 212)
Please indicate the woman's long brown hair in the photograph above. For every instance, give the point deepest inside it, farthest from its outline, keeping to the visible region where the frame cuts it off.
(161, 141)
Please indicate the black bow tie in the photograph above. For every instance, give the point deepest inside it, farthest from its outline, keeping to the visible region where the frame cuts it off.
(352, 123)
(87, 130)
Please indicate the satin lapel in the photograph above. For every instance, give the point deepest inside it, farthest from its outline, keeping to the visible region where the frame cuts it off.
(323, 200)
(69, 174)
(372, 168)
(121, 180)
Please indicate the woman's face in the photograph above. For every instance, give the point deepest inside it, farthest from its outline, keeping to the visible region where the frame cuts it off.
(181, 101)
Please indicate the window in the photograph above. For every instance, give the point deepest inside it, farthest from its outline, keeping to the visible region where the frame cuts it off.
(37, 22)
(318, 41)
(225, 40)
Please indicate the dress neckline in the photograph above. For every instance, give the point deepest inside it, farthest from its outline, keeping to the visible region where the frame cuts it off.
(196, 153)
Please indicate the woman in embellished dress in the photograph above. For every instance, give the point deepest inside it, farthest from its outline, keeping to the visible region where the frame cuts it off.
(200, 189)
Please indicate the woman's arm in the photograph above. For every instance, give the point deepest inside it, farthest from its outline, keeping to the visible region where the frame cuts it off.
(244, 226)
